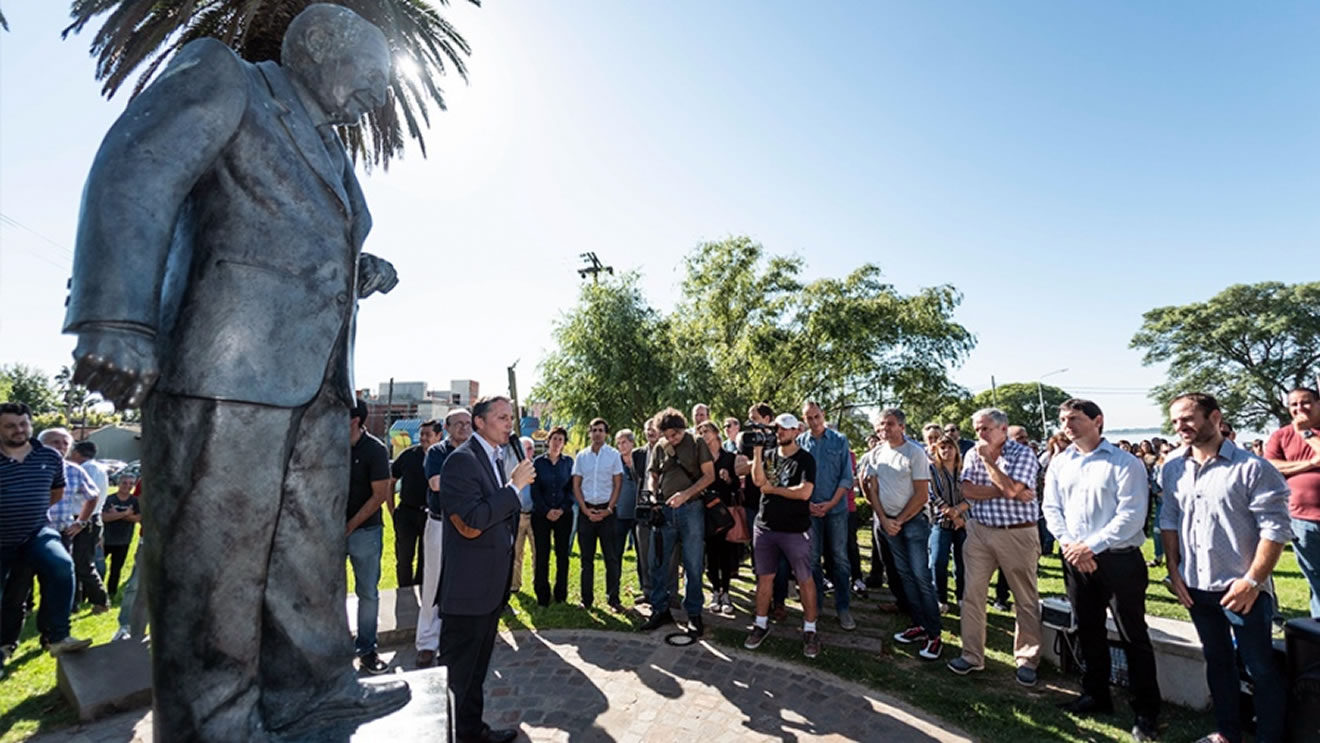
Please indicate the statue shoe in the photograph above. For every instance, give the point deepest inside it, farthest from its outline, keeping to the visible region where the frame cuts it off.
(351, 702)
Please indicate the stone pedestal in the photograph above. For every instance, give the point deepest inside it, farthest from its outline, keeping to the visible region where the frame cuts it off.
(427, 716)
(106, 678)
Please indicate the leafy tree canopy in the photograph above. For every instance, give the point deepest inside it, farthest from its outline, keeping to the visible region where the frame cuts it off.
(1019, 400)
(28, 385)
(748, 329)
(1247, 345)
(145, 34)
(611, 359)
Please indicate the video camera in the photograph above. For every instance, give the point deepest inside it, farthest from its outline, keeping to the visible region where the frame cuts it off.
(752, 435)
(649, 511)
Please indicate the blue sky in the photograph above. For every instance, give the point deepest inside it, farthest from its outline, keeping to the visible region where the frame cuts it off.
(1066, 165)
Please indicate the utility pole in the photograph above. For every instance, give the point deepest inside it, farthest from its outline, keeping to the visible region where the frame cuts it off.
(513, 395)
(1040, 395)
(593, 268)
(994, 391)
(389, 409)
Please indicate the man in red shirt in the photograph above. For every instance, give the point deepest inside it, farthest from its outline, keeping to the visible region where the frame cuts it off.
(1295, 450)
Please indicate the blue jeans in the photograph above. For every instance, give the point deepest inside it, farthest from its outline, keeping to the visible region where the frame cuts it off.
(831, 532)
(44, 552)
(911, 550)
(1306, 546)
(687, 524)
(942, 542)
(1159, 543)
(364, 548)
(1217, 628)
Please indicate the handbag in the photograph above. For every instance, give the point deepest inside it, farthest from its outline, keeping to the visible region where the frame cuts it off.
(739, 533)
(719, 517)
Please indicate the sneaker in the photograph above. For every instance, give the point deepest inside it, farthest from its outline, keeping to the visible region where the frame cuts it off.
(726, 604)
(846, 620)
(425, 658)
(932, 649)
(829, 587)
(372, 664)
(696, 627)
(859, 586)
(1026, 676)
(1003, 606)
(68, 645)
(810, 644)
(779, 614)
(121, 634)
(657, 620)
(909, 635)
(756, 637)
(714, 606)
(961, 667)
(944, 607)
(1145, 729)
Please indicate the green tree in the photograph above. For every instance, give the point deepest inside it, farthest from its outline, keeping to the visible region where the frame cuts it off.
(611, 359)
(1019, 400)
(762, 334)
(31, 386)
(1247, 345)
(140, 33)
(74, 397)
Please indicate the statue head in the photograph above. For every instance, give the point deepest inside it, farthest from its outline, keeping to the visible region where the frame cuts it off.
(341, 60)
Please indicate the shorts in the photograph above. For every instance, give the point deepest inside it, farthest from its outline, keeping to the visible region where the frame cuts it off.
(795, 547)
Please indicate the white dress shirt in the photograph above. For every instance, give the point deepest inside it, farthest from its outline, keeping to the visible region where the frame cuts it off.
(597, 470)
(1098, 498)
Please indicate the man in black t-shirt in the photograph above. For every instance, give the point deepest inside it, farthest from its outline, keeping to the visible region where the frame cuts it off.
(368, 490)
(410, 515)
(783, 529)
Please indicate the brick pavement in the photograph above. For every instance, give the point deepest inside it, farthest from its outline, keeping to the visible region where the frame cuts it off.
(566, 686)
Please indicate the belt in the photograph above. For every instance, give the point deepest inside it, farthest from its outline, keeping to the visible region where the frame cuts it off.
(434, 517)
(526, 513)
(410, 507)
(1022, 525)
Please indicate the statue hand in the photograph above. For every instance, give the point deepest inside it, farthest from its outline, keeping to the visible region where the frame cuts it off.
(120, 364)
(375, 274)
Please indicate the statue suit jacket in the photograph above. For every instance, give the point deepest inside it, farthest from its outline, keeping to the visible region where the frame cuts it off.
(216, 220)
(475, 573)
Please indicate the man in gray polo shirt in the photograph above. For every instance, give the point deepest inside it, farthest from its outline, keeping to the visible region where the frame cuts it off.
(1224, 522)
(1095, 504)
(899, 493)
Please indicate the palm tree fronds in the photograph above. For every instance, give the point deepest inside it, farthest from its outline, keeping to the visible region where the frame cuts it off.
(139, 36)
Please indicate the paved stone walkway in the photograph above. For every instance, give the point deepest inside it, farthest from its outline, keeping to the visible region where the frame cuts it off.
(566, 686)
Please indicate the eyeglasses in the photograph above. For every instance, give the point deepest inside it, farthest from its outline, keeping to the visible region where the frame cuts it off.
(729, 425)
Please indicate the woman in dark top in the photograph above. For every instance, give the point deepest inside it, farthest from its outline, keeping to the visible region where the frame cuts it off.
(948, 513)
(120, 514)
(552, 514)
(721, 554)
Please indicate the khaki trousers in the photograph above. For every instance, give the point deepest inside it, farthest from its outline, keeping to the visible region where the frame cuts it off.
(521, 537)
(1014, 551)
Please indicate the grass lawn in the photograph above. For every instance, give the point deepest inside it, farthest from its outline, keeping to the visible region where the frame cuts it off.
(989, 705)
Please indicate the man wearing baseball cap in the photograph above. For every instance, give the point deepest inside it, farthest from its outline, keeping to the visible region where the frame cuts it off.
(783, 528)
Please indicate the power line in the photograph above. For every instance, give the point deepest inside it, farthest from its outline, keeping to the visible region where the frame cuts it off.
(6, 219)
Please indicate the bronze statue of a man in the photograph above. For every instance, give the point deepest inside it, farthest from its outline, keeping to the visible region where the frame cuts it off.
(216, 278)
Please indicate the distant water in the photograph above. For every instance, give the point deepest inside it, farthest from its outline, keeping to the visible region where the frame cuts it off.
(1134, 435)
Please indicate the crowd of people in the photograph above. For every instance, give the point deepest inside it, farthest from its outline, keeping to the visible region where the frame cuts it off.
(1220, 516)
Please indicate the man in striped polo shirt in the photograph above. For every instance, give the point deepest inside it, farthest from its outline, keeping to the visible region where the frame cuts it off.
(31, 481)
(999, 479)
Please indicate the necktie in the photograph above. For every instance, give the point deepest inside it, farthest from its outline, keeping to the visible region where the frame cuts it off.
(499, 466)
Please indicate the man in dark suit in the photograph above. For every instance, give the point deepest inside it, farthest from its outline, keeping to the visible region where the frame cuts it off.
(215, 282)
(480, 506)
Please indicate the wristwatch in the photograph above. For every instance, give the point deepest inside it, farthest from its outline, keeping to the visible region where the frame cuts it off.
(1251, 582)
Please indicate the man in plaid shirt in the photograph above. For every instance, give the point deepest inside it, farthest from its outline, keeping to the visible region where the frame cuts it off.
(999, 480)
(72, 517)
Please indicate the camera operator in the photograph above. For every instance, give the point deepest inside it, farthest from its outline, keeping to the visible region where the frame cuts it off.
(759, 414)
(783, 530)
(680, 469)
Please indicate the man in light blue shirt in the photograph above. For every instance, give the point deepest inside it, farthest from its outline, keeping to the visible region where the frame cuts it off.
(1095, 504)
(1224, 523)
(829, 510)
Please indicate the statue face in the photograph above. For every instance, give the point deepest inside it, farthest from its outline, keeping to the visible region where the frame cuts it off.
(359, 80)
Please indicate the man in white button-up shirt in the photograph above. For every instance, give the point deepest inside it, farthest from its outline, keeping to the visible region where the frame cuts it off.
(597, 479)
(1095, 504)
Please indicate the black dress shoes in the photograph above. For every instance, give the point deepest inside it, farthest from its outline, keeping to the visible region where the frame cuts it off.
(1088, 705)
(490, 735)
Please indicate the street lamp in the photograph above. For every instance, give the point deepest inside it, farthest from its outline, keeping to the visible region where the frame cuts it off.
(1040, 394)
